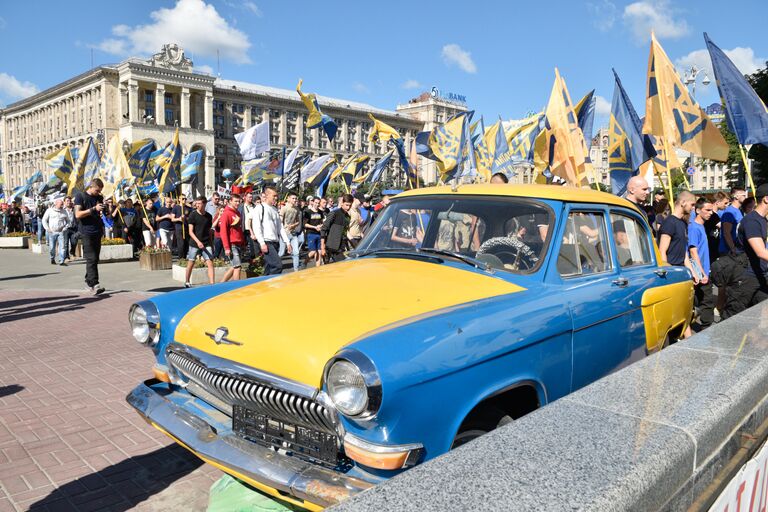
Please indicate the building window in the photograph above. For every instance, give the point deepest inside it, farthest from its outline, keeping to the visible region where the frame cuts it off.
(238, 108)
(149, 112)
(169, 116)
(149, 96)
(168, 98)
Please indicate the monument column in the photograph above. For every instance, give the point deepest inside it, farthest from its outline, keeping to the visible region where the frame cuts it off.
(185, 107)
(133, 102)
(208, 109)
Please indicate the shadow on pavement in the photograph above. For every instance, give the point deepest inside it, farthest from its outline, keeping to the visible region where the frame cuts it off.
(19, 302)
(26, 276)
(166, 289)
(53, 306)
(124, 485)
(10, 390)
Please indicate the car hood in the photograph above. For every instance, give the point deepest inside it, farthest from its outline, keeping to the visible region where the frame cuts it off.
(293, 324)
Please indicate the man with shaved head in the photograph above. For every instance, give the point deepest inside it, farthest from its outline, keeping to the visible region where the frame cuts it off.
(55, 222)
(637, 192)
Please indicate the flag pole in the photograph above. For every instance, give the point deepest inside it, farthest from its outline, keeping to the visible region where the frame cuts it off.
(669, 173)
(746, 168)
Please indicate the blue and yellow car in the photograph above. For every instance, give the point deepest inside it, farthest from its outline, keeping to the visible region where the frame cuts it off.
(461, 310)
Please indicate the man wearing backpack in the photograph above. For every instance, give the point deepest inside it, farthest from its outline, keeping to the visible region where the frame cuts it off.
(267, 229)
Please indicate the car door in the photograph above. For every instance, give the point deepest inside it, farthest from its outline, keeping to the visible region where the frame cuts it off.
(633, 256)
(596, 294)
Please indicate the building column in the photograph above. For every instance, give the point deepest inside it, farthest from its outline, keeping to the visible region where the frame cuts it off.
(345, 135)
(210, 174)
(208, 112)
(228, 130)
(133, 102)
(283, 139)
(300, 130)
(184, 107)
(247, 117)
(160, 104)
(358, 137)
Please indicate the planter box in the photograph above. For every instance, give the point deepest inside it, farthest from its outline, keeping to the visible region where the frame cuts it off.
(37, 248)
(14, 242)
(155, 261)
(199, 275)
(111, 253)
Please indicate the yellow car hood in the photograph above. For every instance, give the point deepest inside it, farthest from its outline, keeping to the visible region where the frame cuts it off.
(291, 325)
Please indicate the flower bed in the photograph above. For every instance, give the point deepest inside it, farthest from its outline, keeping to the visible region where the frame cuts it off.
(200, 271)
(151, 258)
(15, 240)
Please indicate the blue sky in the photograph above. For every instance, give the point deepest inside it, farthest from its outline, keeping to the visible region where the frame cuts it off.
(500, 55)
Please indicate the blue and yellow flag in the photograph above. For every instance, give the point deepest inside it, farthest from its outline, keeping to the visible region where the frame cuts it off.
(448, 144)
(138, 157)
(167, 166)
(60, 163)
(671, 113)
(375, 174)
(628, 147)
(560, 149)
(254, 171)
(191, 166)
(113, 168)
(660, 163)
(382, 131)
(351, 171)
(493, 153)
(521, 140)
(316, 117)
(745, 112)
(86, 167)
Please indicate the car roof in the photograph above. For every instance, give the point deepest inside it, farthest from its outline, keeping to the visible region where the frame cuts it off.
(558, 193)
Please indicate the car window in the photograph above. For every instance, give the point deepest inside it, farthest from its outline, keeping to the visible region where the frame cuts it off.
(632, 246)
(584, 249)
(506, 233)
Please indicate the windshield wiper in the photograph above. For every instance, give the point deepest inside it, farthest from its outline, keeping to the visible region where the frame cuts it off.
(358, 254)
(469, 260)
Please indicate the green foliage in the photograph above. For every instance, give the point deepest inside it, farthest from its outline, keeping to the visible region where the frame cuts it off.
(600, 186)
(759, 152)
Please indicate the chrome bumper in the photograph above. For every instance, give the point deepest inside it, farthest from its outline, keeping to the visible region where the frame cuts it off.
(289, 475)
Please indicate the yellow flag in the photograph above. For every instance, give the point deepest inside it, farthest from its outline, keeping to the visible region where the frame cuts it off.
(486, 150)
(382, 131)
(560, 147)
(114, 167)
(671, 113)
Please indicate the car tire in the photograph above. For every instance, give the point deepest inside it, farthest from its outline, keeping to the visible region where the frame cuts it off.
(480, 425)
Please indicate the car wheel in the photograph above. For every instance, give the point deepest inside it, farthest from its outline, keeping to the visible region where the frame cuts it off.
(472, 428)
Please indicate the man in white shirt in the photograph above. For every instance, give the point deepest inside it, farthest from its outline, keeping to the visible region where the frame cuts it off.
(55, 222)
(267, 229)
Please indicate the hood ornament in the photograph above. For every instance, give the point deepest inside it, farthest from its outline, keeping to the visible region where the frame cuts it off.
(220, 337)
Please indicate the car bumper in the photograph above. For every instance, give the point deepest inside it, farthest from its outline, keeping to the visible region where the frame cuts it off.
(282, 476)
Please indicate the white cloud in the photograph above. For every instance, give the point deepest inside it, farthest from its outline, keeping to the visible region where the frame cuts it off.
(602, 106)
(411, 84)
(654, 15)
(603, 14)
(204, 69)
(12, 88)
(361, 88)
(453, 54)
(743, 58)
(253, 8)
(192, 24)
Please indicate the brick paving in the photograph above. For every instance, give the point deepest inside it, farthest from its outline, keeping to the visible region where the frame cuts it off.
(68, 439)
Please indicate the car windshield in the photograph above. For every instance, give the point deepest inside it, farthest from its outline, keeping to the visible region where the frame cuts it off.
(505, 233)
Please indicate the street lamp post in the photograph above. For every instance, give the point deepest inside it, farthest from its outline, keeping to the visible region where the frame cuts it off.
(690, 78)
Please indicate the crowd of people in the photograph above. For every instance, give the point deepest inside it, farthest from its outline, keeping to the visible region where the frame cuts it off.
(720, 239)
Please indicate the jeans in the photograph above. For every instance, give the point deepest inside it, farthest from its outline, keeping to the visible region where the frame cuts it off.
(40, 232)
(296, 242)
(53, 239)
(70, 240)
(218, 248)
(272, 262)
(91, 251)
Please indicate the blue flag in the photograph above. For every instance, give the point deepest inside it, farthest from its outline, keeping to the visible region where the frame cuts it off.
(381, 165)
(628, 147)
(585, 113)
(190, 166)
(745, 112)
(138, 157)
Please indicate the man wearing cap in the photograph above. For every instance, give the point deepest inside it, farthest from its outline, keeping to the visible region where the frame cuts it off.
(752, 231)
(55, 223)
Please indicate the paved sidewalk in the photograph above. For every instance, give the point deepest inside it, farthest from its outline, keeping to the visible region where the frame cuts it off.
(68, 439)
(21, 269)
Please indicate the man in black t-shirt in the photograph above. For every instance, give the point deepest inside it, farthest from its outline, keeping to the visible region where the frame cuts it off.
(88, 207)
(200, 233)
(313, 221)
(179, 215)
(673, 235)
(164, 220)
(752, 286)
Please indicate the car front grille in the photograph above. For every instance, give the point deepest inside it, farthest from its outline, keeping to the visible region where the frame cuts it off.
(254, 394)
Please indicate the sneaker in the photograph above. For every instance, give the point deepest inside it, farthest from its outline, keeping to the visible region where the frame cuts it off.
(53, 262)
(89, 288)
(98, 289)
(62, 264)
(187, 285)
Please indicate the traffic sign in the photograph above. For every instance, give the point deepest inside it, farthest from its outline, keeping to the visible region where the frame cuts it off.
(691, 171)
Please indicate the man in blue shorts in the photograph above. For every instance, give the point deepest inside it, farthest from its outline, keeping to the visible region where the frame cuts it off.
(200, 227)
(313, 221)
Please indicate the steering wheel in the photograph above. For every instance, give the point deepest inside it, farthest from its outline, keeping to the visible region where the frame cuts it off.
(513, 253)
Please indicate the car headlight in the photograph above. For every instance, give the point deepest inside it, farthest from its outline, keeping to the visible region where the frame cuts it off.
(145, 322)
(353, 384)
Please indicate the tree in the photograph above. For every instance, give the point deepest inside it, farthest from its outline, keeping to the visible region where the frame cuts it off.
(735, 175)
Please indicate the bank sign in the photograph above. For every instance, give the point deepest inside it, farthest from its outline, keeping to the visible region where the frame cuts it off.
(449, 96)
(748, 490)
